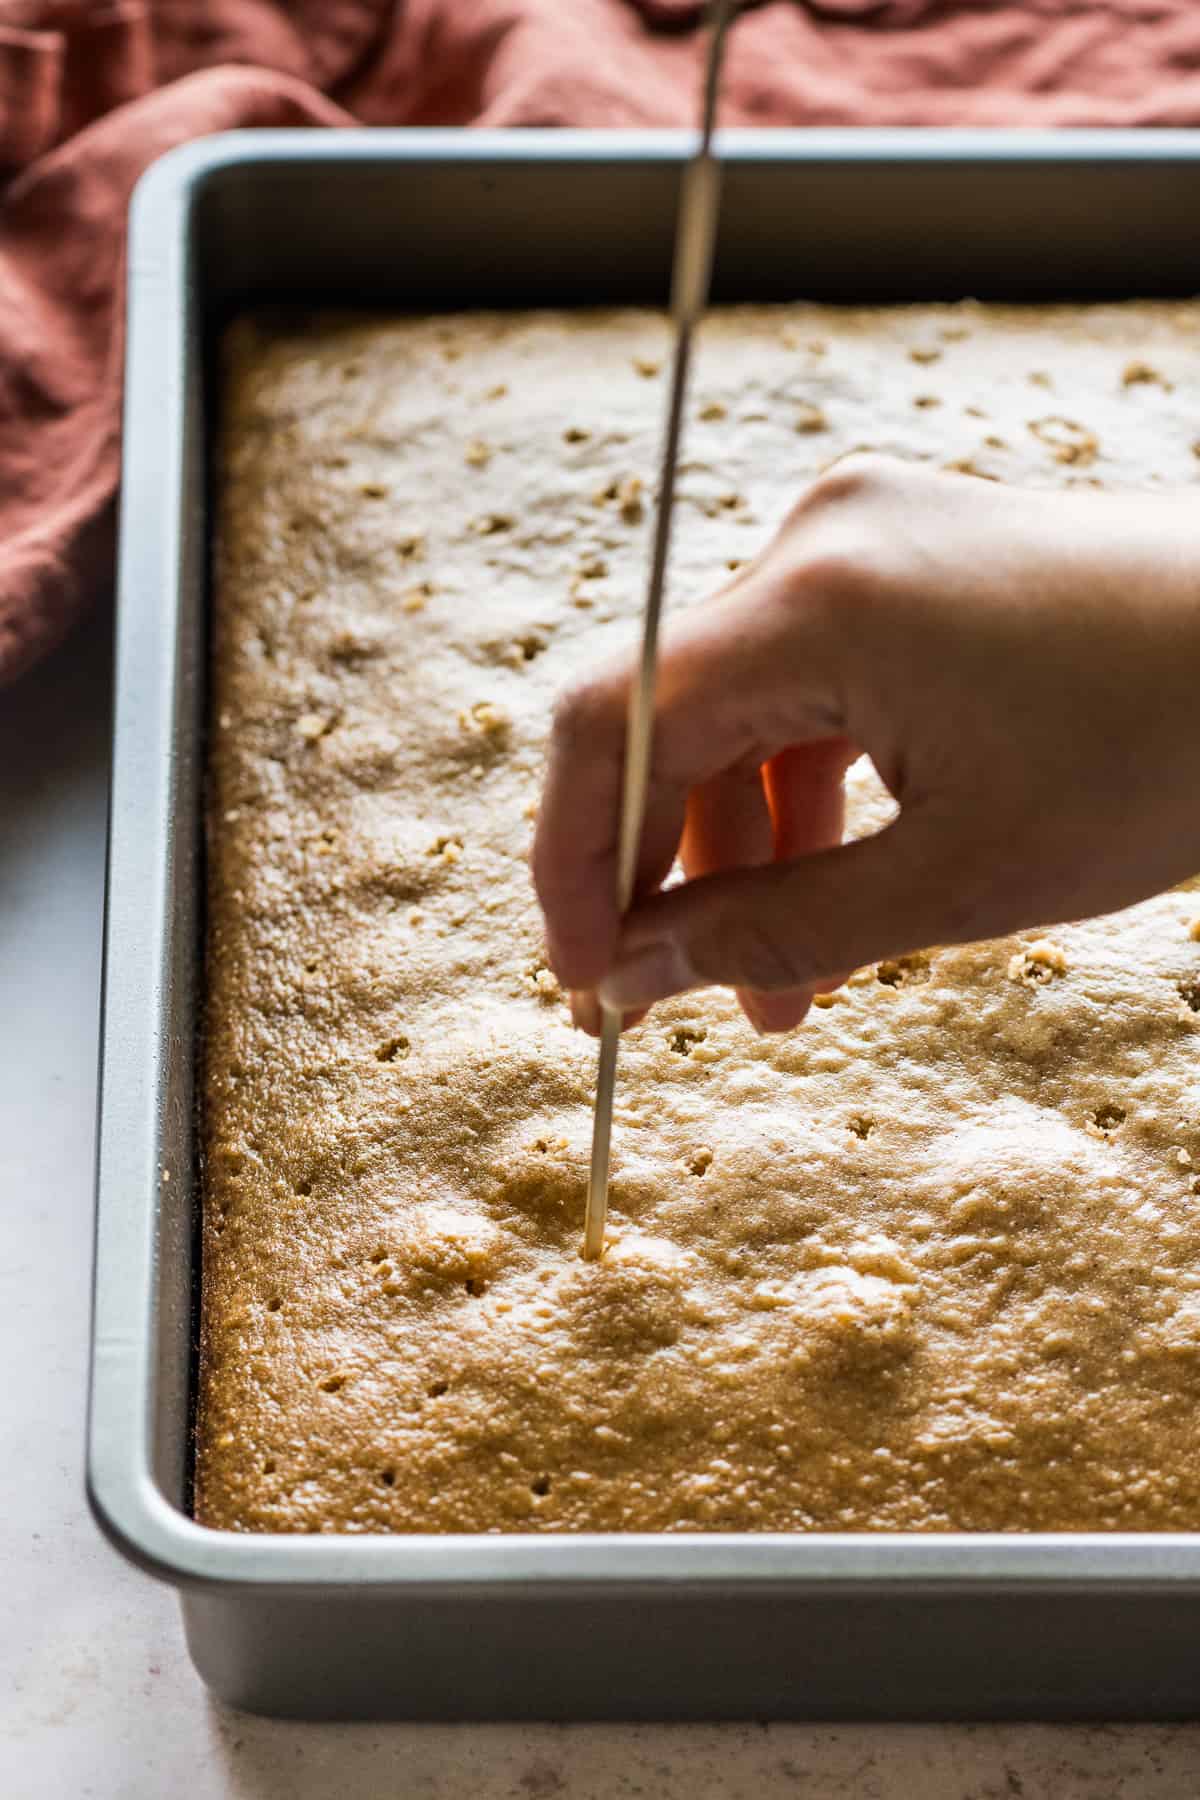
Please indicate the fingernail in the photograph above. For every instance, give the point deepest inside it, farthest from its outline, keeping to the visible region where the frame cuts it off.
(646, 975)
(585, 1010)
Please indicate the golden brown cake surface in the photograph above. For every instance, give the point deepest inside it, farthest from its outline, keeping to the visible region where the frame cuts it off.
(930, 1262)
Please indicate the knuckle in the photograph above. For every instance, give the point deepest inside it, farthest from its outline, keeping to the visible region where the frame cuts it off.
(842, 547)
(768, 958)
(862, 475)
(862, 479)
(753, 942)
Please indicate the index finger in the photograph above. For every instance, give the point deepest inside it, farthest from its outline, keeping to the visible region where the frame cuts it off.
(738, 680)
(575, 844)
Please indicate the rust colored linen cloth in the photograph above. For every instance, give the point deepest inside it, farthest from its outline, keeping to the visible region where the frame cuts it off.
(91, 91)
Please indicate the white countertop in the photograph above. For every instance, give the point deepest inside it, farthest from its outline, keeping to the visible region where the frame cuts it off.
(97, 1698)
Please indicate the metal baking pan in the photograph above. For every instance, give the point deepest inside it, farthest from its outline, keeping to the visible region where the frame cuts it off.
(596, 1626)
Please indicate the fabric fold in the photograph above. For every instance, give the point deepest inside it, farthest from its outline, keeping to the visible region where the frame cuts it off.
(91, 91)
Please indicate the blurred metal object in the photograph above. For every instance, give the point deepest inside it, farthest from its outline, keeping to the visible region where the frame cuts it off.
(694, 235)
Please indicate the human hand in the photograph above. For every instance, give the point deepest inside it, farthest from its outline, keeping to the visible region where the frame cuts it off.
(1022, 668)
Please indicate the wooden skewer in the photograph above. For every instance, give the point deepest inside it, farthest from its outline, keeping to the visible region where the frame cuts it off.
(694, 234)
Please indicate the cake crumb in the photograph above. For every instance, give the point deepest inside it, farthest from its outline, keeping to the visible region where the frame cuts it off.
(478, 454)
(1037, 963)
(483, 716)
(1143, 374)
(966, 465)
(810, 418)
(1069, 441)
(629, 497)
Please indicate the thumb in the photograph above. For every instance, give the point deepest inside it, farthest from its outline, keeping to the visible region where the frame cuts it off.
(795, 924)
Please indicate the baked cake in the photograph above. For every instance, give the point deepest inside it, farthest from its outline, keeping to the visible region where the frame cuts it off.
(930, 1262)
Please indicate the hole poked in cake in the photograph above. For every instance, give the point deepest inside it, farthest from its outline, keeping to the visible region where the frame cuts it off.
(1107, 1119)
(684, 1038)
(1038, 963)
(332, 1384)
(1189, 992)
(449, 849)
(393, 1049)
(414, 599)
(1144, 374)
(485, 720)
(860, 1126)
(1066, 439)
(542, 982)
(700, 1162)
(436, 1389)
(899, 971)
(540, 1486)
(627, 491)
(387, 1477)
(518, 652)
(274, 1304)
